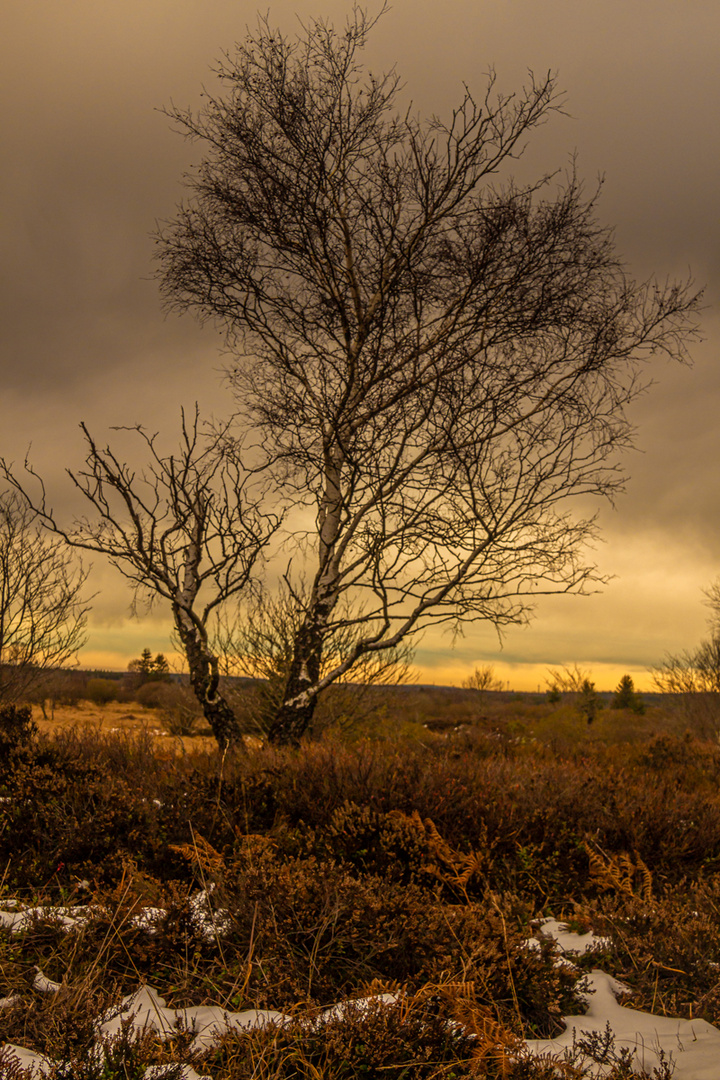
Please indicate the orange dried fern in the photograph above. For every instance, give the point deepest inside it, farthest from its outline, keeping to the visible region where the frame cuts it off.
(201, 854)
(622, 873)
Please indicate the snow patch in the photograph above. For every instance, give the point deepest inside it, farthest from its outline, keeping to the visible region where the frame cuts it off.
(45, 985)
(568, 941)
(692, 1047)
(148, 1010)
(208, 923)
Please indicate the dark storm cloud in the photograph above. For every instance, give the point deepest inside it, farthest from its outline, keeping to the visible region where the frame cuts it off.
(90, 165)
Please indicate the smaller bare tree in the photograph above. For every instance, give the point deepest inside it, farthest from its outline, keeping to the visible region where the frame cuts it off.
(566, 680)
(42, 611)
(692, 681)
(482, 678)
(187, 529)
(692, 678)
(257, 641)
(577, 686)
(712, 600)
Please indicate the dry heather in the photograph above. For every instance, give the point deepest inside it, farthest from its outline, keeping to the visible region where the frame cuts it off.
(412, 867)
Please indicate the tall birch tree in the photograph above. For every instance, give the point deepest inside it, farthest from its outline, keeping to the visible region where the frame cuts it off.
(437, 358)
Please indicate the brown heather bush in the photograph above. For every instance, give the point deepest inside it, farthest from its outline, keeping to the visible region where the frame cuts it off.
(411, 1039)
(72, 1044)
(525, 811)
(87, 801)
(665, 947)
(303, 928)
(17, 729)
(322, 931)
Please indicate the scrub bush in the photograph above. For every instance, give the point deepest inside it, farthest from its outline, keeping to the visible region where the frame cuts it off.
(17, 727)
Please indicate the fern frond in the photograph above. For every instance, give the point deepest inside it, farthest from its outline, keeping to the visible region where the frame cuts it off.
(202, 854)
(620, 873)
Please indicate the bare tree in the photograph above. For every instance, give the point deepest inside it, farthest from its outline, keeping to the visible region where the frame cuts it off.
(566, 680)
(483, 679)
(257, 641)
(712, 600)
(187, 529)
(693, 671)
(692, 677)
(436, 360)
(42, 610)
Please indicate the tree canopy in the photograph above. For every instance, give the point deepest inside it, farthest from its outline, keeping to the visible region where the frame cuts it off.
(434, 357)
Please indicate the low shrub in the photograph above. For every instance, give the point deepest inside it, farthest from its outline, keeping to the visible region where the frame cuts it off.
(101, 691)
(411, 1040)
(409, 813)
(17, 728)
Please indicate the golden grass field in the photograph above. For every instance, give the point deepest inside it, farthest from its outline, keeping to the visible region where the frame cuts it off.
(128, 718)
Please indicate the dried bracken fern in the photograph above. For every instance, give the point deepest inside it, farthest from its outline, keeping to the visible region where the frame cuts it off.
(376, 987)
(250, 845)
(622, 873)
(495, 1046)
(409, 841)
(453, 867)
(201, 854)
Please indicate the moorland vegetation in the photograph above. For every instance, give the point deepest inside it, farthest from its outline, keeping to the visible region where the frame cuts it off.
(412, 855)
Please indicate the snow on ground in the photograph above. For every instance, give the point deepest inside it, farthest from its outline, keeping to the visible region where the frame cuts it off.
(565, 940)
(207, 922)
(690, 1047)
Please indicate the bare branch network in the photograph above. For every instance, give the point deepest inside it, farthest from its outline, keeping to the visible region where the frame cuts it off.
(187, 529)
(433, 359)
(436, 360)
(42, 609)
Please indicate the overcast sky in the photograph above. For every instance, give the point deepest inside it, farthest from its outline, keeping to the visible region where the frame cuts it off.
(90, 163)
